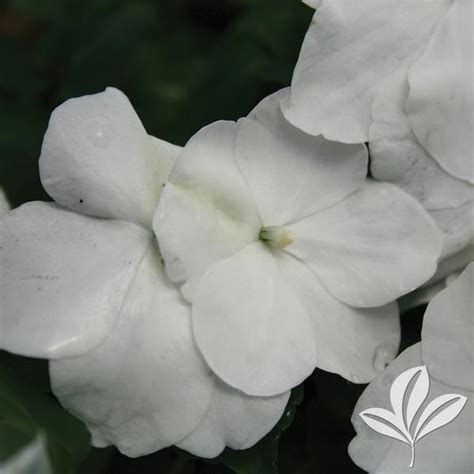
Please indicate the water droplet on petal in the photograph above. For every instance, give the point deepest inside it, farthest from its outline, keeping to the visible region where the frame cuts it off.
(354, 378)
(384, 354)
(100, 131)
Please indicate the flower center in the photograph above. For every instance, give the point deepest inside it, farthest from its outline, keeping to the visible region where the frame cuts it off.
(276, 236)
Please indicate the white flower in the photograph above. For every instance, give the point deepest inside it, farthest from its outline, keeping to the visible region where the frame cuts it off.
(90, 293)
(282, 244)
(353, 49)
(447, 351)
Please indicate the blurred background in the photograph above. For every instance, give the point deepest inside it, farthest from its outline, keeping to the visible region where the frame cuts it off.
(183, 64)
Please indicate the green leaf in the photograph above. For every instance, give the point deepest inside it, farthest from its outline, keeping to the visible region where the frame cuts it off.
(262, 458)
(27, 410)
(31, 459)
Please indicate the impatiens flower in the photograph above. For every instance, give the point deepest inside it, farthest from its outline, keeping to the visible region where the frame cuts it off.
(287, 252)
(447, 352)
(353, 49)
(87, 290)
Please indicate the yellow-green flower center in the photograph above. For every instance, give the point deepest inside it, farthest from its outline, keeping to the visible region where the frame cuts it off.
(276, 236)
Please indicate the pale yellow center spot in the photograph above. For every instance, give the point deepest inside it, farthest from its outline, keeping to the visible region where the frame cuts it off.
(276, 236)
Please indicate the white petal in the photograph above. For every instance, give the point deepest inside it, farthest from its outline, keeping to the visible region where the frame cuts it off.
(292, 174)
(145, 386)
(371, 248)
(457, 226)
(97, 159)
(368, 448)
(313, 3)
(448, 328)
(397, 156)
(4, 204)
(251, 327)
(421, 296)
(350, 50)
(205, 212)
(63, 278)
(356, 343)
(448, 449)
(234, 420)
(166, 155)
(453, 265)
(449, 268)
(441, 100)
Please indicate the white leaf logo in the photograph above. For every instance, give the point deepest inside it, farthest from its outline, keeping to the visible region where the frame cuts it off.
(407, 394)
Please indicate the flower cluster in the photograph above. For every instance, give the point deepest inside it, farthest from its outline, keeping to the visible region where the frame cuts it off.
(84, 286)
(447, 352)
(181, 293)
(398, 75)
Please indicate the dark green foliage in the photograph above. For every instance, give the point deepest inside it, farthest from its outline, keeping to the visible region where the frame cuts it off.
(182, 63)
(27, 408)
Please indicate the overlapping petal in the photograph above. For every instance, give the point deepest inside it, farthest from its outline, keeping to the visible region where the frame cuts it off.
(63, 278)
(448, 269)
(441, 100)
(371, 248)
(350, 50)
(97, 159)
(250, 326)
(367, 339)
(292, 174)
(457, 226)
(448, 332)
(397, 156)
(145, 386)
(448, 449)
(446, 349)
(234, 420)
(205, 212)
